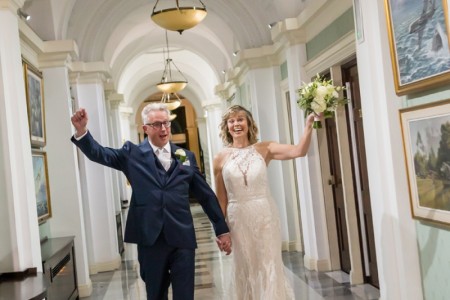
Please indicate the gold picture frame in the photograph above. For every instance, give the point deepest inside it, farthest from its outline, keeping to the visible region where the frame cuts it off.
(41, 184)
(34, 87)
(419, 44)
(426, 142)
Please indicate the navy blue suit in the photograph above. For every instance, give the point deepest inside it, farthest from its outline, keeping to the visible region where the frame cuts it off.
(159, 217)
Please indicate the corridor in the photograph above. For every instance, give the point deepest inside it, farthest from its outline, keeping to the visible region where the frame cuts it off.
(212, 272)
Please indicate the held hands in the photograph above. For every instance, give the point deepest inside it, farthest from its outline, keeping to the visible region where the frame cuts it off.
(79, 121)
(224, 243)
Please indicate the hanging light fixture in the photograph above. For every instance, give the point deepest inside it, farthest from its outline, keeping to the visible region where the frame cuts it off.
(178, 18)
(171, 100)
(169, 85)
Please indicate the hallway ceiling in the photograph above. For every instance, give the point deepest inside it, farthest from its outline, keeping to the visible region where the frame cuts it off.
(121, 34)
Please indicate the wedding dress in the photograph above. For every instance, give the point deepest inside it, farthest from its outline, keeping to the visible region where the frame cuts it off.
(257, 270)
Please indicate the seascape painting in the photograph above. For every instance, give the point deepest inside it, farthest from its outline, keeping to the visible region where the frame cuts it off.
(426, 135)
(419, 42)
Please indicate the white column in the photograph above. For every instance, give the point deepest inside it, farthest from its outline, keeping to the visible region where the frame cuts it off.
(19, 231)
(312, 205)
(125, 115)
(213, 120)
(96, 180)
(203, 136)
(394, 229)
(115, 137)
(265, 97)
(66, 202)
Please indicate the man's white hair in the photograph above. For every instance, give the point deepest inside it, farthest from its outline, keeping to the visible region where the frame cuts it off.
(154, 106)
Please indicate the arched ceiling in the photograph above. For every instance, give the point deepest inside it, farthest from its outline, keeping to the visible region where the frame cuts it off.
(121, 34)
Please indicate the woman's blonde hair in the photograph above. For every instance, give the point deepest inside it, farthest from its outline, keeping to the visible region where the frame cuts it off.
(225, 135)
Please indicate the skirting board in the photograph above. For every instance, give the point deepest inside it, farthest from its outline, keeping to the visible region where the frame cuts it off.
(85, 290)
(105, 266)
(316, 265)
(291, 246)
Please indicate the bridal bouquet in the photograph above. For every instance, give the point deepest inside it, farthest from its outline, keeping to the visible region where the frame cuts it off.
(320, 96)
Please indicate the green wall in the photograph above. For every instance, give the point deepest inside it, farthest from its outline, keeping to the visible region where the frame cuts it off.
(433, 240)
(331, 34)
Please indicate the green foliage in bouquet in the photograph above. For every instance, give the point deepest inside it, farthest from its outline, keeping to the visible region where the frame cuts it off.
(320, 96)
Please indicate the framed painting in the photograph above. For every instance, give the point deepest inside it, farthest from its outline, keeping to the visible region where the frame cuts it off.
(359, 28)
(35, 104)
(419, 44)
(426, 140)
(41, 185)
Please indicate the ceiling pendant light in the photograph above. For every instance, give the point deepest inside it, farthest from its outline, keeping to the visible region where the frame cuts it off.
(178, 18)
(171, 103)
(171, 82)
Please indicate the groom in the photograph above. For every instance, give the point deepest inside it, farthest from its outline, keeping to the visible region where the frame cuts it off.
(159, 218)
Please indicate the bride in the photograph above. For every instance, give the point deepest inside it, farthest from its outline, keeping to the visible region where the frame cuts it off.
(240, 172)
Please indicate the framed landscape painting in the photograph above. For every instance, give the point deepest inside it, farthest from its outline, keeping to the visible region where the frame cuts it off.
(41, 185)
(426, 140)
(35, 105)
(419, 44)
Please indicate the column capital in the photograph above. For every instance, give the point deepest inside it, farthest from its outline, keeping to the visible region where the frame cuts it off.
(58, 53)
(114, 100)
(225, 90)
(126, 111)
(91, 72)
(212, 106)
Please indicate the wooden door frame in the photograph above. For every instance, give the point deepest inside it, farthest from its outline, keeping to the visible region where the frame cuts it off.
(351, 213)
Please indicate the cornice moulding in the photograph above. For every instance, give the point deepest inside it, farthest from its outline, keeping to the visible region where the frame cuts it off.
(12, 5)
(53, 50)
(288, 33)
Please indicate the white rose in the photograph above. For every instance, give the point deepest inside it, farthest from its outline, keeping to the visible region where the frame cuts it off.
(321, 92)
(319, 105)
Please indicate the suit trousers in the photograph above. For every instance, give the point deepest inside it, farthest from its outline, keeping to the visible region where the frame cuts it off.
(162, 265)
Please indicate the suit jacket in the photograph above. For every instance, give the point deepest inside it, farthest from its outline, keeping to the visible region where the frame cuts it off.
(158, 203)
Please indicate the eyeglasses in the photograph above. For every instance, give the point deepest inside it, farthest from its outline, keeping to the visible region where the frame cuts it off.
(159, 125)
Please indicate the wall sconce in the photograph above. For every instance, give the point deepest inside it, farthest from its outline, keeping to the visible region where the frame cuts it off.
(271, 25)
(23, 15)
(235, 53)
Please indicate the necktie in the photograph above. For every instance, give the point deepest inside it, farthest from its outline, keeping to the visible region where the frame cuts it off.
(164, 158)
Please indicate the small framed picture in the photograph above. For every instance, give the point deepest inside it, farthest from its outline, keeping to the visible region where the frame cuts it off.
(418, 38)
(41, 185)
(34, 87)
(426, 140)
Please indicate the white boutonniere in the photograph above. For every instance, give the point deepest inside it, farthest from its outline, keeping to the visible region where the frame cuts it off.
(181, 156)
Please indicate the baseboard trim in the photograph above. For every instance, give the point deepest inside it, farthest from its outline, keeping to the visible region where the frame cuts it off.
(315, 264)
(85, 290)
(105, 266)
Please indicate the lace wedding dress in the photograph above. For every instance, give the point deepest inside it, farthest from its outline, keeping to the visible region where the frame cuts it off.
(257, 271)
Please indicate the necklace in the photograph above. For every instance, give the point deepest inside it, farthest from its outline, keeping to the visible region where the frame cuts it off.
(243, 163)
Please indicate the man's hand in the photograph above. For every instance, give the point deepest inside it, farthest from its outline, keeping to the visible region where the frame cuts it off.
(224, 243)
(79, 121)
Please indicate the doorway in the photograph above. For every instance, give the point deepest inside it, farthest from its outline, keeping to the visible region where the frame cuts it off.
(359, 169)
